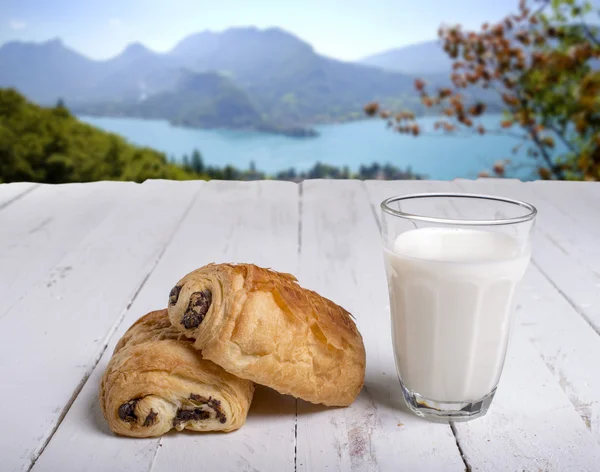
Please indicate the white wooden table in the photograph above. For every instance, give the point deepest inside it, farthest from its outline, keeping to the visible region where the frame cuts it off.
(80, 263)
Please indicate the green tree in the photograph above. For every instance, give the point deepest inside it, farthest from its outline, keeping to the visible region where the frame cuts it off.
(197, 164)
(186, 162)
(229, 173)
(50, 145)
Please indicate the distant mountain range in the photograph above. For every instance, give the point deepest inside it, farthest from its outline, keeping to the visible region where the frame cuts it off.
(198, 100)
(427, 58)
(240, 78)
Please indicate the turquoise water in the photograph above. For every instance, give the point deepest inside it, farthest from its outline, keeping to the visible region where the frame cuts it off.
(352, 144)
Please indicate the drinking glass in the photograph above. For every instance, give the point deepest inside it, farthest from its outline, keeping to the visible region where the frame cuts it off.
(453, 262)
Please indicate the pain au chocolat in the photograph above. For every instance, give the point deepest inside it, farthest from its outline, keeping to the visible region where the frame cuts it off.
(261, 325)
(156, 381)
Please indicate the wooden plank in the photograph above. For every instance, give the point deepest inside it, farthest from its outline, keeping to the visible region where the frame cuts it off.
(591, 188)
(577, 201)
(229, 222)
(341, 257)
(43, 226)
(531, 415)
(48, 205)
(565, 249)
(531, 425)
(51, 339)
(567, 345)
(571, 211)
(565, 340)
(10, 193)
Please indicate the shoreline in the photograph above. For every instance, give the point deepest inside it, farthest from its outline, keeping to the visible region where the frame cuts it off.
(292, 131)
(310, 128)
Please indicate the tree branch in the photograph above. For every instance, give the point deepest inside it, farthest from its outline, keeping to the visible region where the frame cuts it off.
(543, 6)
(500, 132)
(590, 34)
(553, 167)
(562, 138)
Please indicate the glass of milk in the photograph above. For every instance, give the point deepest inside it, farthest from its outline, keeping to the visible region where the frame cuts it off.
(453, 262)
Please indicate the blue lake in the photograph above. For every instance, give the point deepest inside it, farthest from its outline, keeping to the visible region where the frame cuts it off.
(352, 144)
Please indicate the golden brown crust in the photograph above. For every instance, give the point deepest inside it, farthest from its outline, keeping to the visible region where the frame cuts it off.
(261, 325)
(156, 381)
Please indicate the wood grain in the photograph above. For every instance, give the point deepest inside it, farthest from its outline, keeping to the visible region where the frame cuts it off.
(52, 338)
(557, 327)
(567, 248)
(81, 262)
(229, 222)
(43, 226)
(341, 257)
(577, 201)
(10, 193)
(531, 414)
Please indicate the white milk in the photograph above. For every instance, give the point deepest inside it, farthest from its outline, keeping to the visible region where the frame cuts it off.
(451, 294)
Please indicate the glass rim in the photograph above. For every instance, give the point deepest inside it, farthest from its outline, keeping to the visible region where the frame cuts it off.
(530, 215)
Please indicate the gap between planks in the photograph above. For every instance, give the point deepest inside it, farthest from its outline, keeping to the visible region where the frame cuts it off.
(300, 190)
(572, 388)
(155, 455)
(540, 199)
(107, 339)
(19, 196)
(346, 240)
(300, 193)
(459, 447)
(569, 300)
(275, 212)
(374, 212)
(372, 206)
(534, 188)
(571, 303)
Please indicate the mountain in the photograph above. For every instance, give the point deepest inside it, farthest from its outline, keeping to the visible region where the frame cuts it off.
(249, 54)
(200, 100)
(429, 58)
(417, 59)
(289, 81)
(282, 78)
(132, 53)
(46, 71)
(196, 45)
(137, 72)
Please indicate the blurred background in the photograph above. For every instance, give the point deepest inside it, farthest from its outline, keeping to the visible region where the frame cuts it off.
(139, 89)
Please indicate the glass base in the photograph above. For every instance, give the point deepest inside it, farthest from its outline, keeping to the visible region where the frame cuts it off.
(446, 411)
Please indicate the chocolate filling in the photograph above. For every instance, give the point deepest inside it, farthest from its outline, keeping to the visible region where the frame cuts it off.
(212, 403)
(196, 414)
(174, 295)
(150, 419)
(197, 309)
(127, 410)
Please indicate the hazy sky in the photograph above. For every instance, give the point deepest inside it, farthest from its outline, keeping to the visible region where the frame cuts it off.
(345, 29)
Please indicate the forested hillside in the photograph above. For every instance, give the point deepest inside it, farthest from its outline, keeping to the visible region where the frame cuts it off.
(50, 145)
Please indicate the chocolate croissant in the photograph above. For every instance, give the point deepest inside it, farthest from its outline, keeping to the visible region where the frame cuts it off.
(260, 325)
(156, 381)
